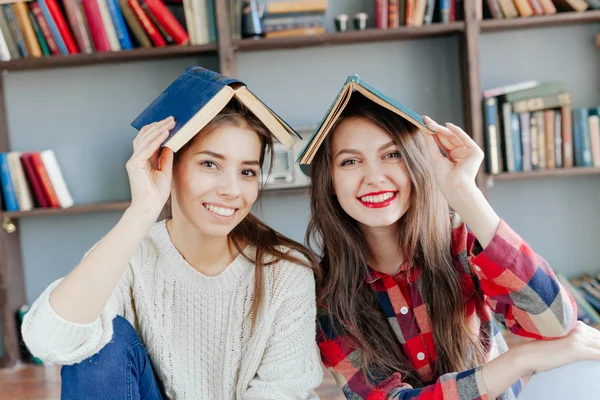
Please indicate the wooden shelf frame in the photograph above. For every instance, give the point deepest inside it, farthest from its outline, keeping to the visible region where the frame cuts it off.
(12, 287)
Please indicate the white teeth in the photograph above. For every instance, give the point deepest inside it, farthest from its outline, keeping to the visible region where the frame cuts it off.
(225, 212)
(377, 199)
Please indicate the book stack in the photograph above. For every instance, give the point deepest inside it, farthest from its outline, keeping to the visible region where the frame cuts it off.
(32, 180)
(395, 13)
(284, 18)
(532, 126)
(500, 9)
(41, 28)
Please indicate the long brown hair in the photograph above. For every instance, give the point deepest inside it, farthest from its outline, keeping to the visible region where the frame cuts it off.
(343, 294)
(271, 246)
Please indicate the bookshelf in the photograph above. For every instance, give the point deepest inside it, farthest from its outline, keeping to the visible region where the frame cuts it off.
(12, 286)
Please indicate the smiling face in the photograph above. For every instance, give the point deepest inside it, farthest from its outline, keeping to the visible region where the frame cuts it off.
(369, 175)
(215, 180)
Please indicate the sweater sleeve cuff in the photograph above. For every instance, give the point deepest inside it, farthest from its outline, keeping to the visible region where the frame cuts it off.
(49, 336)
(481, 388)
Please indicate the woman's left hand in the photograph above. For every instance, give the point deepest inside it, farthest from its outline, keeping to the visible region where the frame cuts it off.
(456, 173)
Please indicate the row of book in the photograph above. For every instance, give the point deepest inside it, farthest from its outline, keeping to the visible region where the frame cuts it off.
(532, 126)
(59, 27)
(500, 9)
(32, 180)
(293, 18)
(585, 290)
(395, 13)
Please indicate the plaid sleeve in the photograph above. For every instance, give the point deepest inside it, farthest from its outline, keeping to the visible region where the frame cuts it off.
(520, 286)
(342, 358)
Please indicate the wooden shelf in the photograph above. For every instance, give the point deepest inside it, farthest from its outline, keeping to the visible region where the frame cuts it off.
(350, 37)
(76, 209)
(106, 57)
(546, 173)
(561, 18)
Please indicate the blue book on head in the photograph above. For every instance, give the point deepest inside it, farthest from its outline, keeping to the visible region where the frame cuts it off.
(197, 96)
(355, 84)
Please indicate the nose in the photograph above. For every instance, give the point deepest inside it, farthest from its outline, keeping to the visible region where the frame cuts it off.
(374, 175)
(229, 186)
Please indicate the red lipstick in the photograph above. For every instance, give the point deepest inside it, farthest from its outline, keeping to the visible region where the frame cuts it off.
(381, 204)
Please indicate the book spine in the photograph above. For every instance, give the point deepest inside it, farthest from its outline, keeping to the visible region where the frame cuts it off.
(34, 181)
(381, 14)
(13, 49)
(393, 14)
(61, 25)
(492, 145)
(16, 30)
(168, 21)
(516, 141)
(151, 30)
(558, 138)
(33, 47)
(536, 7)
(4, 52)
(76, 21)
(550, 138)
(429, 10)
(38, 33)
(541, 103)
(594, 124)
(42, 173)
(57, 179)
(445, 7)
(567, 136)
(99, 35)
(548, 6)
(53, 28)
(39, 16)
(19, 182)
(109, 27)
(508, 137)
(495, 9)
(119, 24)
(8, 190)
(136, 27)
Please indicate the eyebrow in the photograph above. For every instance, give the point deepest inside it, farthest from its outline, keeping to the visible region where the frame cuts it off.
(353, 151)
(222, 157)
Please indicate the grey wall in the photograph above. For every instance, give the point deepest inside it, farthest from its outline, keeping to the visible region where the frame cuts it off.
(84, 115)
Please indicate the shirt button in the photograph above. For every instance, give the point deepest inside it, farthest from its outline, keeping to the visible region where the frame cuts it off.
(420, 356)
(404, 310)
(478, 268)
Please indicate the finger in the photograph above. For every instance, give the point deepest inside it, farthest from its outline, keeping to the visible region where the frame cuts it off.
(447, 138)
(461, 153)
(150, 130)
(152, 135)
(148, 151)
(432, 148)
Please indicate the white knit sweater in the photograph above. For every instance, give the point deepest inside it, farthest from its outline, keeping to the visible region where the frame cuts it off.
(197, 329)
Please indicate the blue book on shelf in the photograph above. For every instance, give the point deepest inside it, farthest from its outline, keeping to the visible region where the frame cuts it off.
(581, 138)
(53, 28)
(353, 85)
(117, 18)
(515, 128)
(197, 96)
(8, 189)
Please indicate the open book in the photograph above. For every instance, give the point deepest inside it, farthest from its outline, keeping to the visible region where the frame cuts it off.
(355, 84)
(197, 96)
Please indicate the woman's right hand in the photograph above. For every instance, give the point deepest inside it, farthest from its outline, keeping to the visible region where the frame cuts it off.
(582, 343)
(149, 178)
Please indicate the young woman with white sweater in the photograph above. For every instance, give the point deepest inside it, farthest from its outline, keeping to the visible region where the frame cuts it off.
(208, 304)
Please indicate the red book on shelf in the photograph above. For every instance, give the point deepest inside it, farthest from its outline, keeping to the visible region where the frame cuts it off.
(34, 181)
(41, 20)
(381, 14)
(149, 27)
(42, 174)
(168, 21)
(62, 26)
(94, 18)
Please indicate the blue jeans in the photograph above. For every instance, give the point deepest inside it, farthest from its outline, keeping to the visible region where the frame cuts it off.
(121, 370)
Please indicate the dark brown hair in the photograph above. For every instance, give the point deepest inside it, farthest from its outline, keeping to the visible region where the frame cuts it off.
(343, 294)
(271, 246)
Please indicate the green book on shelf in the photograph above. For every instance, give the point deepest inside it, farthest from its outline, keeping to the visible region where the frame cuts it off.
(353, 85)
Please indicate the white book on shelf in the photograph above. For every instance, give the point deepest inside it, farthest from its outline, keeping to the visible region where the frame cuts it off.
(56, 178)
(4, 53)
(19, 181)
(109, 27)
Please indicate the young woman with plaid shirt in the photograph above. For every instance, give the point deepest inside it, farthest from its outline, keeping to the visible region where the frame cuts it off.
(408, 295)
